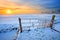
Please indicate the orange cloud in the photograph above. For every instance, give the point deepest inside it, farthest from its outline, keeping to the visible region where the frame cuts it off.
(17, 9)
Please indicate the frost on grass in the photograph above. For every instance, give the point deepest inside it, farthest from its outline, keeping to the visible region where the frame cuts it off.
(32, 32)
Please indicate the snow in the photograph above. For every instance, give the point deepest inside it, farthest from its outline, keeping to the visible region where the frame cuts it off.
(39, 34)
(33, 29)
(7, 35)
(34, 34)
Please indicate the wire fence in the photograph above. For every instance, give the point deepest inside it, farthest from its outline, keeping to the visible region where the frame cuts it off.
(34, 23)
(27, 23)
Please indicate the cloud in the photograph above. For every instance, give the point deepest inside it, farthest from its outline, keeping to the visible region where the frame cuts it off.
(44, 3)
(20, 8)
(32, 6)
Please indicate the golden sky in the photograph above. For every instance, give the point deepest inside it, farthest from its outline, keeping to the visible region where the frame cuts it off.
(13, 7)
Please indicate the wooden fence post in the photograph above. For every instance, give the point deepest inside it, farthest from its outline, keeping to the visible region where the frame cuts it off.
(52, 20)
(51, 24)
(20, 25)
(19, 29)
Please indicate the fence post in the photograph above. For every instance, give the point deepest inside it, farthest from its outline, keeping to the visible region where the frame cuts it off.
(20, 25)
(52, 20)
(19, 29)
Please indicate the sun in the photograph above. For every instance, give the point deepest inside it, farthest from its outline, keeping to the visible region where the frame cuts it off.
(8, 11)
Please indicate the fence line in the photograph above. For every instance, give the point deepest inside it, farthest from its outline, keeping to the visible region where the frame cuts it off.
(32, 22)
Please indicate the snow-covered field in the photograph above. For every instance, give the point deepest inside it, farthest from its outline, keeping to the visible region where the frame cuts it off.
(34, 28)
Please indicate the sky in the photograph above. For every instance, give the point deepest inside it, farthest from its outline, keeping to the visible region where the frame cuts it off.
(8, 7)
(28, 6)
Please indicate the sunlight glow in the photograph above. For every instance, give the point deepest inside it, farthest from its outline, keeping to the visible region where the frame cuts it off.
(9, 11)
